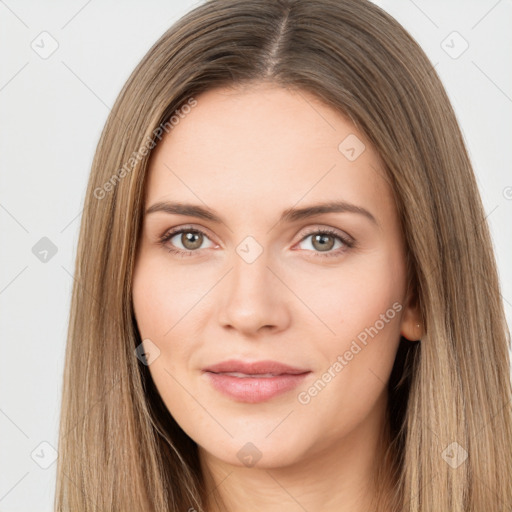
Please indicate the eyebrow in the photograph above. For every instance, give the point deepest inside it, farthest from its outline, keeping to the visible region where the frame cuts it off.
(288, 215)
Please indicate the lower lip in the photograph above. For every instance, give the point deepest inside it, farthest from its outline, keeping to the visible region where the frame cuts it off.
(254, 389)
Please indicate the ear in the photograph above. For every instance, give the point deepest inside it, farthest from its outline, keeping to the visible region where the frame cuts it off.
(411, 326)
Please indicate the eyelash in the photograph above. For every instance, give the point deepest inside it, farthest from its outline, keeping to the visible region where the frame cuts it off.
(347, 242)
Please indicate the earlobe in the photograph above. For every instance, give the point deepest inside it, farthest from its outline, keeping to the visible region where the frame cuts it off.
(411, 326)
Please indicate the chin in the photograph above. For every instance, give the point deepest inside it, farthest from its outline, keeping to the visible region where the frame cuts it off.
(256, 451)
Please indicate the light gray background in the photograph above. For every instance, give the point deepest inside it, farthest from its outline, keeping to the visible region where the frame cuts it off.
(52, 111)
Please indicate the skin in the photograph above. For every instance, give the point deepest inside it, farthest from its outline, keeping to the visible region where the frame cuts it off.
(248, 154)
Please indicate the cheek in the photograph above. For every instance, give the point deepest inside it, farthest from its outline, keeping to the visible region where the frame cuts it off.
(170, 308)
(353, 299)
(362, 307)
(162, 296)
(148, 300)
(161, 300)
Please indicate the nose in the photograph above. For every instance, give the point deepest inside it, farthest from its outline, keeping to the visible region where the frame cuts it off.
(254, 298)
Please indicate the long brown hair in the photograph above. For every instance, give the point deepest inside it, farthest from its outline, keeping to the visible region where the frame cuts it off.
(450, 394)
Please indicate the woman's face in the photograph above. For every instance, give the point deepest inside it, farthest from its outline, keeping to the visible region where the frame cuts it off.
(268, 275)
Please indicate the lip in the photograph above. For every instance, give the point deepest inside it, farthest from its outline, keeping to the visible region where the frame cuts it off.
(256, 367)
(254, 389)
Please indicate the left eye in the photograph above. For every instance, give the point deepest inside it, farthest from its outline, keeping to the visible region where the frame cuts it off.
(324, 241)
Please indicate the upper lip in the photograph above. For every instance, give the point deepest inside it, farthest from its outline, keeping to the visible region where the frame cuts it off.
(253, 368)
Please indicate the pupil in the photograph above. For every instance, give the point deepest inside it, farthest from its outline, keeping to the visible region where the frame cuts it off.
(191, 240)
(322, 240)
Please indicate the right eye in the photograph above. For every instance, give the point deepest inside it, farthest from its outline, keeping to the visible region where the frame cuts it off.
(190, 239)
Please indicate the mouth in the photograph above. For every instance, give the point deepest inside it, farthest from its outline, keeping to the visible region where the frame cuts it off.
(254, 382)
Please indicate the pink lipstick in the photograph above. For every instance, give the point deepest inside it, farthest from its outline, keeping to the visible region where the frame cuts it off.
(254, 382)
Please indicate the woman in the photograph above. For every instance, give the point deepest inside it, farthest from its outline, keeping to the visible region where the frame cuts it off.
(286, 296)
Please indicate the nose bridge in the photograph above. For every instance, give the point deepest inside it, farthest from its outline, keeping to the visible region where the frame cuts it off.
(253, 296)
(251, 275)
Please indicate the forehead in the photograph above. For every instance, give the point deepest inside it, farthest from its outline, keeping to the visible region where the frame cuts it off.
(265, 147)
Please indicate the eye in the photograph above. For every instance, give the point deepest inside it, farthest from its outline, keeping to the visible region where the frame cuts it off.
(323, 240)
(190, 239)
